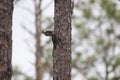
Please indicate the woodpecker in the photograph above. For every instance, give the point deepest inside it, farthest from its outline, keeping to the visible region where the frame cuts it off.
(51, 33)
(48, 33)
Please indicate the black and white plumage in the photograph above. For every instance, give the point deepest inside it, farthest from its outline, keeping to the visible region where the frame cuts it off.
(50, 33)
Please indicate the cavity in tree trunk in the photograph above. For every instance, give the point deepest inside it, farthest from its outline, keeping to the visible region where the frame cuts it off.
(62, 40)
(6, 8)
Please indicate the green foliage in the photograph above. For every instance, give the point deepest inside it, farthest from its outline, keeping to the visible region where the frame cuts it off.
(76, 59)
(104, 44)
(115, 78)
(93, 78)
(92, 1)
(117, 16)
(109, 7)
(118, 37)
(100, 41)
(16, 70)
(117, 62)
(79, 54)
(28, 78)
(74, 17)
(79, 25)
(87, 13)
(84, 33)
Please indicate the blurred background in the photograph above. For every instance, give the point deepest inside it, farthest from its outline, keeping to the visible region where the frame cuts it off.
(95, 39)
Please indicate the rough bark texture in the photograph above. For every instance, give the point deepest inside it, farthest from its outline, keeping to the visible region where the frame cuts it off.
(6, 8)
(62, 40)
(39, 69)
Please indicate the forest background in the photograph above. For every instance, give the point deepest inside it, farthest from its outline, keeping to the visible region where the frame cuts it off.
(95, 40)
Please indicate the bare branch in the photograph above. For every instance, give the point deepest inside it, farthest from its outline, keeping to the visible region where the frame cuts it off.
(49, 26)
(28, 44)
(29, 31)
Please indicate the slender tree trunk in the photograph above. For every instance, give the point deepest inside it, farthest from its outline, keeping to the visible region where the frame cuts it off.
(39, 70)
(106, 67)
(62, 40)
(6, 8)
(106, 64)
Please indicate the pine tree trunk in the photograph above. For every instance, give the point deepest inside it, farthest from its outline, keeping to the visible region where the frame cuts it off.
(62, 40)
(39, 69)
(6, 8)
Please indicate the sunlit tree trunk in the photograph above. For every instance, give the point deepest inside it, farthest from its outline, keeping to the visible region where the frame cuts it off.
(39, 69)
(6, 9)
(62, 40)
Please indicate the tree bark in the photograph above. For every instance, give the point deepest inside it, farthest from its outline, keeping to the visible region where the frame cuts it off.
(39, 69)
(62, 40)
(6, 8)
